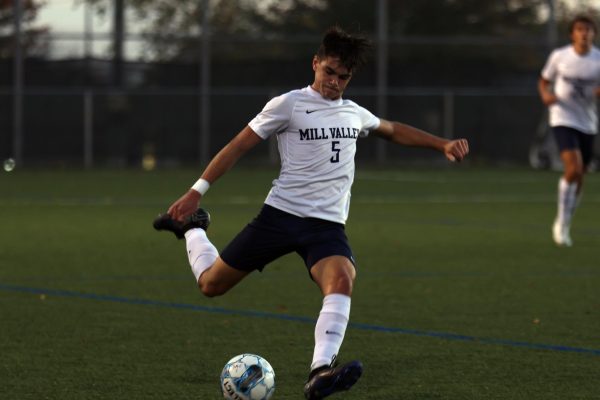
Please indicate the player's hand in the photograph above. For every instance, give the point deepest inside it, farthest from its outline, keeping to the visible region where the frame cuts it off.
(456, 150)
(185, 205)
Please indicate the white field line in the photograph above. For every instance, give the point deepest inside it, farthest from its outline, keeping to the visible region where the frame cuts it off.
(467, 199)
(421, 178)
(247, 200)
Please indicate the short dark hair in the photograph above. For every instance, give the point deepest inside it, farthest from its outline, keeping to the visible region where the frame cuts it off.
(351, 49)
(584, 19)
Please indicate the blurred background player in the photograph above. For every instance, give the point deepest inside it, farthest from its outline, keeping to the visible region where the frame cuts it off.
(569, 85)
(306, 210)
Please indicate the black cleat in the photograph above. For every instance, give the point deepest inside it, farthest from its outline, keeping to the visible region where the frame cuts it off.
(325, 381)
(198, 219)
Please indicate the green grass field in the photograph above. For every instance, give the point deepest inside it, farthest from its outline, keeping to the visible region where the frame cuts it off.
(460, 293)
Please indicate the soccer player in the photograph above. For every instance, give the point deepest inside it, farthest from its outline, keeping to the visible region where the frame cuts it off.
(306, 209)
(569, 85)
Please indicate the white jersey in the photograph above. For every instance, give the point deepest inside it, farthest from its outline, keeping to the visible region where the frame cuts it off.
(575, 79)
(317, 143)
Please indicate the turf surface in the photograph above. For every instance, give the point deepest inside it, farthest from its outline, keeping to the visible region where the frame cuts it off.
(460, 293)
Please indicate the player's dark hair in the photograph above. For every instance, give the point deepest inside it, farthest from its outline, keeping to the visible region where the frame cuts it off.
(352, 50)
(583, 19)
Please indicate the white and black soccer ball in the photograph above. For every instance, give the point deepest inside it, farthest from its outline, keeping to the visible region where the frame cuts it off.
(248, 377)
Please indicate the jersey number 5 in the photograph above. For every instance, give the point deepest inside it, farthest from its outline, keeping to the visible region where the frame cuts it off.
(336, 150)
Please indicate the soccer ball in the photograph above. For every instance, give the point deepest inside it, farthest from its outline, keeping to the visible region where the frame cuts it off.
(248, 377)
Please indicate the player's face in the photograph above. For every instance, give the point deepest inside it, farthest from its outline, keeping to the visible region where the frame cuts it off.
(331, 77)
(582, 35)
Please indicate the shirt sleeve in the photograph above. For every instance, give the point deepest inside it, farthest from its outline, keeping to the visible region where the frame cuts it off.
(550, 69)
(368, 121)
(274, 117)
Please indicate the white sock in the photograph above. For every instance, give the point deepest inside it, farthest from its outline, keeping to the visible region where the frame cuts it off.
(567, 201)
(201, 252)
(330, 329)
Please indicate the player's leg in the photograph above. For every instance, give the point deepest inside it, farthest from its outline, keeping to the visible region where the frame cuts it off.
(263, 240)
(334, 274)
(219, 278)
(573, 166)
(576, 165)
(335, 277)
(569, 184)
(213, 275)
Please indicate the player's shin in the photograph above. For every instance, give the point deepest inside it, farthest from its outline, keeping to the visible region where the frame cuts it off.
(330, 329)
(201, 252)
(567, 201)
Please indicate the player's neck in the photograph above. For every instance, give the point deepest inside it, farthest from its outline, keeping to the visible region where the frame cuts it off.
(582, 48)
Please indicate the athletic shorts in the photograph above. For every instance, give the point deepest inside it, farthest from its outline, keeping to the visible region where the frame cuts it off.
(275, 233)
(572, 139)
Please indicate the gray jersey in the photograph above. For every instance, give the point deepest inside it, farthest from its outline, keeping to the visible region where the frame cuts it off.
(575, 79)
(317, 143)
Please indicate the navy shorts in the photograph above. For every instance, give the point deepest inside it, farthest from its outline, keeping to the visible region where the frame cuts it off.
(275, 233)
(572, 139)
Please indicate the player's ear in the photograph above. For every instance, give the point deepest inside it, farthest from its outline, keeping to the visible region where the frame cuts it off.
(315, 63)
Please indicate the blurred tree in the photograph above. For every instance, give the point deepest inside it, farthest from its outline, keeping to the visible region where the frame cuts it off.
(465, 17)
(35, 41)
(164, 20)
(587, 7)
(171, 27)
(449, 37)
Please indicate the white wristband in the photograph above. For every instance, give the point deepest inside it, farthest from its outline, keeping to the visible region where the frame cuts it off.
(201, 186)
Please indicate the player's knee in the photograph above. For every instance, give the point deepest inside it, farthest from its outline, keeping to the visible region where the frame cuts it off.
(574, 168)
(574, 174)
(342, 283)
(211, 288)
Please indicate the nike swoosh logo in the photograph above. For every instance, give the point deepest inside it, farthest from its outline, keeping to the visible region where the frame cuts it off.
(332, 333)
(312, 111)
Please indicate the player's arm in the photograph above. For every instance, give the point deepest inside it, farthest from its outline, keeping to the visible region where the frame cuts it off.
(397, 132)
(230, 154)
(221, 163)
(545, 90)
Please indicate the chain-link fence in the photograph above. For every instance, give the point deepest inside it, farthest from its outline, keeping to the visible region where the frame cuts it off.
(70, 109)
